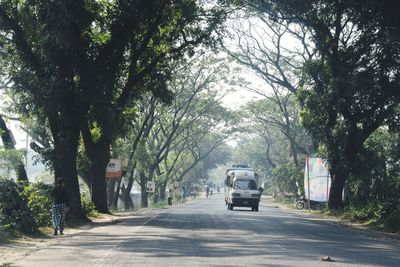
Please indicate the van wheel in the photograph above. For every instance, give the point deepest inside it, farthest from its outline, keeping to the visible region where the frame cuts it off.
(252, 208)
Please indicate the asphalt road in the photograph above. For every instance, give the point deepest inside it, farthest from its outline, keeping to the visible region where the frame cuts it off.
(204, 233)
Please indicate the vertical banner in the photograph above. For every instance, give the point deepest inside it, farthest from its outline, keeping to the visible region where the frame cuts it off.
(317, 181)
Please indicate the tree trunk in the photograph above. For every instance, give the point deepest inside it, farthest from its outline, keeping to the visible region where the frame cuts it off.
(126, 192)
(99, 186)
(117, 195)
(126, 198)
(143, 184)
(65, 148)
(293, 150)
(111, 192)
(156, 195)
(8, 144)
(99, 156)
(163, 186)
(336, 191)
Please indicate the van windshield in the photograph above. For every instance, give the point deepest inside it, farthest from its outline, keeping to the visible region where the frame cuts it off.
(245, 184)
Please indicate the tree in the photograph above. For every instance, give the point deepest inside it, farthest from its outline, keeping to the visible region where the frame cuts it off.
(274, 50)
(8, 144)
(194, 107)
(67, 58)
(352, 86)
(161, 32)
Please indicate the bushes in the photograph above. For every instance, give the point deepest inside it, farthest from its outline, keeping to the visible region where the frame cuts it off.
(14, 211)
(25, 207)
(285, 178)
(87, 205)
(39, 200)
(390, 214)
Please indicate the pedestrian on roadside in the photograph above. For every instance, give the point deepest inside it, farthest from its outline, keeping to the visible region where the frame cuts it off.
(60, 206)
(169, 197)
(183, 194)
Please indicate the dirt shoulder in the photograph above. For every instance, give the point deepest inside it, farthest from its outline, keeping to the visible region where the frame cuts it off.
(269, 201)
(23, 246)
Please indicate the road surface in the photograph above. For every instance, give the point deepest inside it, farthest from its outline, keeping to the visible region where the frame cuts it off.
(204, 233)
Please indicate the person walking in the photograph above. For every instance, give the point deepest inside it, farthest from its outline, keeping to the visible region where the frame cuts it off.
(169, 197)
(59, 207)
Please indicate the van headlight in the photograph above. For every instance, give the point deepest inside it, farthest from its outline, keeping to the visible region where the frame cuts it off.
(235, 194)
(255, 195)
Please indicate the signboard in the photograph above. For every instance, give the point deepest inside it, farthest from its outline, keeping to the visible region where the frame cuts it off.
(114, 169)
(317, 181)
(150, 187)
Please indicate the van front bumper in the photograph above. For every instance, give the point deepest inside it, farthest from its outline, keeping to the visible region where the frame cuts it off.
(245, 202)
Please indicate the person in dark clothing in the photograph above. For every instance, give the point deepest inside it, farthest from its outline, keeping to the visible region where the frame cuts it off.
(170, 197)
(59, 207)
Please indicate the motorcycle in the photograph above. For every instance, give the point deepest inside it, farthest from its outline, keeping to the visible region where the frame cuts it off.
(302, 203)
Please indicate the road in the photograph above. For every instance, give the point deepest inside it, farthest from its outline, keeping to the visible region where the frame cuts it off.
(204, 233)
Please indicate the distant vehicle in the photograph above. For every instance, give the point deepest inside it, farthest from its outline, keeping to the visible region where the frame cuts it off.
(242, 188)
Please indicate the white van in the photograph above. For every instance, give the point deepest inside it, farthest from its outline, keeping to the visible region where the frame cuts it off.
(242, 188)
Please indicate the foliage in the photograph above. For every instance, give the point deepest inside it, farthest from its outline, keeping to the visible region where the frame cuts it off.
(82, 63)
(286, 177)
(353, 88)
(88, 206)
(38, 196)
(15, 214)
(376, 176)
(10, 159)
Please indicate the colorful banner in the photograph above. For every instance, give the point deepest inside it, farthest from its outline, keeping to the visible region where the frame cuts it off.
(317, 179)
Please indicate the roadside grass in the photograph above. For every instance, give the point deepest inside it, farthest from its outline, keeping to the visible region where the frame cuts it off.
(367, 217)
(158, 205)
(117, 211)
(287, 200)
(8, 235)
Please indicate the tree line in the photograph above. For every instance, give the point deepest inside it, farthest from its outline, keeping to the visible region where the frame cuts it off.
(136, 76)
(81, 73)
(332, 70)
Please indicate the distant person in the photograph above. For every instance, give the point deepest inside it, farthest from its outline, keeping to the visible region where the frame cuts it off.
(59, 207)
(211, 190)
(183, 193)
(207, 190)
(169, 197)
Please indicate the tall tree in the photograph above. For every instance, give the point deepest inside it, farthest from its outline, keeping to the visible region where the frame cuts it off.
(193, 85)
(71, 57)
(353, 87)
(274, 50)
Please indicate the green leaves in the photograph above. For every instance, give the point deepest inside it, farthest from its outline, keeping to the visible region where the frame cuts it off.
(14, 211)
(9, 157)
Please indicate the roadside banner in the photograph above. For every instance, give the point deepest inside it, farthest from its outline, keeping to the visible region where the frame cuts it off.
(114, 168)
(317, 181)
